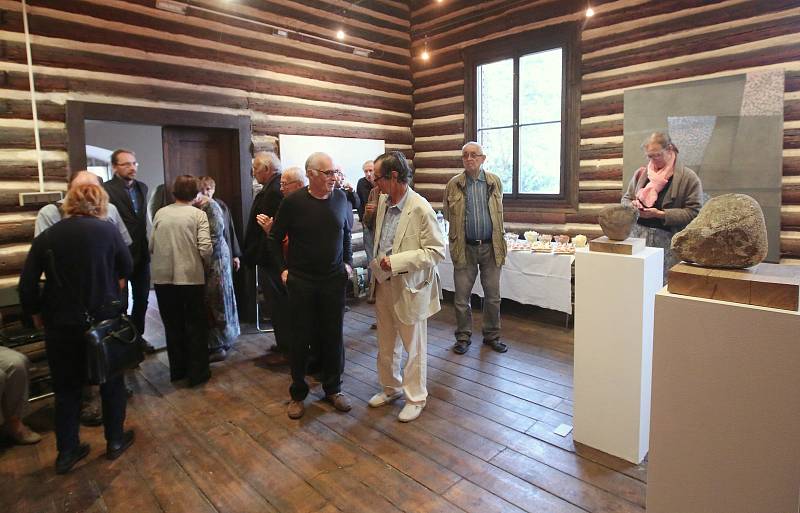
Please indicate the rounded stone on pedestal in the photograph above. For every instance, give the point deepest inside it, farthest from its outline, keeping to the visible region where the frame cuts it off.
(617, 221)
(728, 232)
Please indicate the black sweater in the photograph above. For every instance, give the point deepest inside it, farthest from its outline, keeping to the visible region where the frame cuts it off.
(319, 235)
(83, 259)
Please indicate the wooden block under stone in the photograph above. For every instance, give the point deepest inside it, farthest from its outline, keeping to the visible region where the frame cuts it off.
(770, 285)
(628, 246)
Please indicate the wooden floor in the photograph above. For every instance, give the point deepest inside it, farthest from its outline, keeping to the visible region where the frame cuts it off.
(483, 444)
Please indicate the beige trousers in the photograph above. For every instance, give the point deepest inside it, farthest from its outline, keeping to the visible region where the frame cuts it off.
(412, 337)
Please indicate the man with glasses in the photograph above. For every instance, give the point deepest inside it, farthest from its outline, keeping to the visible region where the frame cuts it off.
(408, 246)
(473, 205)
(130, 197)
(316, 272)
(256, 251)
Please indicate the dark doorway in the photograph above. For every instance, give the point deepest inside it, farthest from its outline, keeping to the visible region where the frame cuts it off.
(210, 152)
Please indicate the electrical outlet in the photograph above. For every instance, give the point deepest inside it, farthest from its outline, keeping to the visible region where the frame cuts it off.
(39, 198)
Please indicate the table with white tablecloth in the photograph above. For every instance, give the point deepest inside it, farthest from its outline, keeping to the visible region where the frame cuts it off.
(540, 279)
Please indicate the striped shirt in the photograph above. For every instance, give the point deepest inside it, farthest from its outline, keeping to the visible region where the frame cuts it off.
(478, 221)
(389, 228)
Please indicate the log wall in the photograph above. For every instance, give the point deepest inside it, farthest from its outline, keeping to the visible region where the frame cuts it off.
(627, 44)
(127, 52)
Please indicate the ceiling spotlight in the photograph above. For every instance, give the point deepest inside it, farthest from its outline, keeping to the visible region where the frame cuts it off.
(340, 35)
(425, 55)
(439, 1)
(589, 12)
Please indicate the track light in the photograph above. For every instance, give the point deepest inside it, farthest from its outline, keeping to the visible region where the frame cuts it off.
(340, 35)
(589, 12)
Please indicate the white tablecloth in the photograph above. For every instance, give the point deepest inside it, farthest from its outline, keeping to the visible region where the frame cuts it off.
(541, 279)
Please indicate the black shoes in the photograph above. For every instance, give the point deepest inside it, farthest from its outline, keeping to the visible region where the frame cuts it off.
(115, 450)
(66, 460)
(147, 347)
(461, 346)
(91, 415)
(217, 355)
(496, 345)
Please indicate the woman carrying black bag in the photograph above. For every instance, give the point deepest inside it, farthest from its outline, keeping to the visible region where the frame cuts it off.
(85, 263)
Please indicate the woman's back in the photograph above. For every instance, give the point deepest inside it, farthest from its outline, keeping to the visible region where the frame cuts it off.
(83, 259)
(179, 243)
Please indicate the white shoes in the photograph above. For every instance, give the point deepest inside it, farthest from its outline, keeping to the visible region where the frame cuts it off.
(381, 399)
(410, 411)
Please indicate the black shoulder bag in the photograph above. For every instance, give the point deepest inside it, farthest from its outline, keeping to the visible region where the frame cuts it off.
(112, 345)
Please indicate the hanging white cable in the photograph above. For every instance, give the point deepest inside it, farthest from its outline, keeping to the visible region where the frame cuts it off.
(33, 95)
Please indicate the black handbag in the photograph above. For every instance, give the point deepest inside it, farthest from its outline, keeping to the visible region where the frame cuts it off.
(112, 345)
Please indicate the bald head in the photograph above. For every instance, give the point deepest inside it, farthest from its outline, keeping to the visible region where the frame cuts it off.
(84, 178)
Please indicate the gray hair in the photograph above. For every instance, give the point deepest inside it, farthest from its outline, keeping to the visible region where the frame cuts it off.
(312, 162)
(365, 164)
(472, 143)
(295, 173)
(263, 159)
(662, 139)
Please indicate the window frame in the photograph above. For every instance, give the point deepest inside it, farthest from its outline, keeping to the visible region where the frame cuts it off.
(567, 37)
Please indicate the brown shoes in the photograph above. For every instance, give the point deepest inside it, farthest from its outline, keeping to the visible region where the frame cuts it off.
(340, 401)
(295, 410)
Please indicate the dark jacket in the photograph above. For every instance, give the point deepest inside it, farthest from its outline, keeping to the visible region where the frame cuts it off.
(230, 230)
(362, 190)
(267, 201)
(83, 259)
(135, 223)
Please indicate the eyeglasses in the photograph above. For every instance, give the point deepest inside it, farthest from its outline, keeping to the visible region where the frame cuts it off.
(655, 155)
(287, 184)
(377, 178)
(471, 155)
(128, 164)
(329, 172)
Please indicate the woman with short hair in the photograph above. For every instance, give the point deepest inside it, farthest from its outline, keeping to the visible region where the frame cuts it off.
(180, 244)
(86, 263)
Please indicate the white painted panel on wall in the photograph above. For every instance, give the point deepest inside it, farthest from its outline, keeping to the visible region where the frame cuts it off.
(347, 152)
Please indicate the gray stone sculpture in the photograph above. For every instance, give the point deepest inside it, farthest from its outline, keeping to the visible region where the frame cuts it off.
(728, 232)
(617, 221)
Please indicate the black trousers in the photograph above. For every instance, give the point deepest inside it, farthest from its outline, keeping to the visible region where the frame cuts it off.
(183, 311)
(275, 295)
(317, 319)
(140, 286)
(66, 354)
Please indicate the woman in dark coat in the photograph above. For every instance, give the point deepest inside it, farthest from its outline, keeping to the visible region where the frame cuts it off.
(86, 264)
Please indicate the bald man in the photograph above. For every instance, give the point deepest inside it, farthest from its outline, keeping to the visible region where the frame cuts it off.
(50, 214)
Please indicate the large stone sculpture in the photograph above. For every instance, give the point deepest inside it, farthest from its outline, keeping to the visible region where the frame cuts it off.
(617, 221)
(728, 232)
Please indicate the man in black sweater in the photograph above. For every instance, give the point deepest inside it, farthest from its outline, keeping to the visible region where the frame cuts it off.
(130, 197)
(267, 172)
(316, 274)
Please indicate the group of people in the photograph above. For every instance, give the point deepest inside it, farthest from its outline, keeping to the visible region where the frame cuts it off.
(299, 239)
(93, 245)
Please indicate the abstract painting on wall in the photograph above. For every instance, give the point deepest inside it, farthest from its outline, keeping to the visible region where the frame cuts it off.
(729, 130)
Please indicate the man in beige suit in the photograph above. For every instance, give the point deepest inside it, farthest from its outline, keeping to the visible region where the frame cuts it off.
(408, 245)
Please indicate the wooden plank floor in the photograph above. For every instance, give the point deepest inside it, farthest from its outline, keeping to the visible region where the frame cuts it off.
(483, 444)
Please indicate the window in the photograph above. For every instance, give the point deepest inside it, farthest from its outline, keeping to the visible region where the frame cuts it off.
(522, 107)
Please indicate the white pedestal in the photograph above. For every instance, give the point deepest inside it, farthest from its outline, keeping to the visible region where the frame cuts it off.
(614, 296)
(725, 433)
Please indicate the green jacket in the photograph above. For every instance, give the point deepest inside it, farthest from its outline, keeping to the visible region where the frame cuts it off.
(455, 208)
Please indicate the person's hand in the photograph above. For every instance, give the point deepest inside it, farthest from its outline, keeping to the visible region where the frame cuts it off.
(349, 270)
(652, 213)
(347, 187)
(236, 263)
(284, 276)
(371, 207)
(265, 222)
(386, 264)
(638, 204)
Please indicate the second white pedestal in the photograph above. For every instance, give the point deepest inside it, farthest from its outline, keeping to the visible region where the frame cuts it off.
(614, 297)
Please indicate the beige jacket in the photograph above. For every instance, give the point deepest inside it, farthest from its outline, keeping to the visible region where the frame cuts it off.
(180, 243)
(455, 209)
(684, 198)
(417, 248)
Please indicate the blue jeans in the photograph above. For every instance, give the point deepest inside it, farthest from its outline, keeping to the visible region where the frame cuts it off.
(479, 258)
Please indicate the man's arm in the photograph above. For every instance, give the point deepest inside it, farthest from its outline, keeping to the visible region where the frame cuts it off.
(47, 216)
(280, 227)
(113, 216)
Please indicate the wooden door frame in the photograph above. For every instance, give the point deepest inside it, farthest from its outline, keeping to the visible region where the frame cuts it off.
(78, 112)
